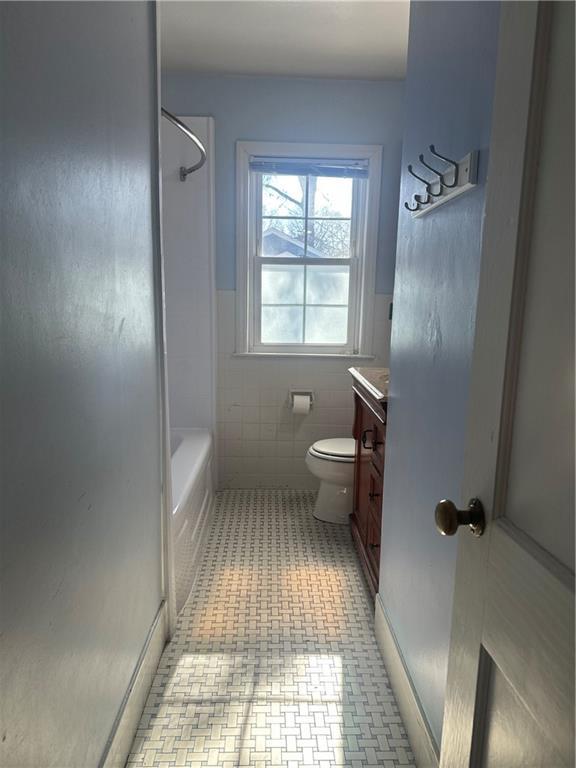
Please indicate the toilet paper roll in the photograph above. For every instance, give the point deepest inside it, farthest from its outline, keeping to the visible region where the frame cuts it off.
(301, 405)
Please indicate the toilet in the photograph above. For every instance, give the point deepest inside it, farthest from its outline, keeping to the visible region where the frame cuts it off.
(332, 462)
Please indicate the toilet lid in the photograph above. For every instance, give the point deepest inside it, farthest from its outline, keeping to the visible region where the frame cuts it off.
(340, 447)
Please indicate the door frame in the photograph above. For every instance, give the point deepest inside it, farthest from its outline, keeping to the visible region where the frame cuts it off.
(167, 555)
(516, 128)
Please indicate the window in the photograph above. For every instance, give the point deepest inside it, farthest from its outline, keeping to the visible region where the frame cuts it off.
(307, 223)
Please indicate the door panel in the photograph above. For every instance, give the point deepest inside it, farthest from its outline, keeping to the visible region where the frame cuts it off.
(529, 629)
(511, 665)
(512, 736)
(542, 452)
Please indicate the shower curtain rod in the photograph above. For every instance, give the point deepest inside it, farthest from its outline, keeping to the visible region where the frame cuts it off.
(184, 128)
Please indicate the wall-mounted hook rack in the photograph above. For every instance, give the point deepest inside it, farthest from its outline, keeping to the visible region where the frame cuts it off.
(458, 178)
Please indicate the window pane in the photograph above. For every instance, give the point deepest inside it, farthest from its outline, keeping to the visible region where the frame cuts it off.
(282, 284)
(326, 325)
(327, 285)
(283, 195)
(283, 237)
(328, 239)
(282, 325)
(330, 197)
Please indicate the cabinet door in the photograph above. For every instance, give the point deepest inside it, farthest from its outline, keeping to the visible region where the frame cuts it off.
(363, 427)
(373, 546)
(374, 521)
(375, 493)
(378, 442)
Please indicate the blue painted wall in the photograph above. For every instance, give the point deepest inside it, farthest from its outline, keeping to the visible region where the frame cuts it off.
(449, 89)
(80, 541)
(294, 109)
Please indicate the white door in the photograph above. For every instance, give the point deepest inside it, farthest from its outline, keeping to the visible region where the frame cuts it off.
(510, 694)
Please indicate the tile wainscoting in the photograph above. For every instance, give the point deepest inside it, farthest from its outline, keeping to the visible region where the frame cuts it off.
(260, 443)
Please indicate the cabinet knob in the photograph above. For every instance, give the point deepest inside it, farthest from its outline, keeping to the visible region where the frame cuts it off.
(373, 496)
(449, 518)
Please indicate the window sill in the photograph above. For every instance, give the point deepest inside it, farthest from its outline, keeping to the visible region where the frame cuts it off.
(305, 355)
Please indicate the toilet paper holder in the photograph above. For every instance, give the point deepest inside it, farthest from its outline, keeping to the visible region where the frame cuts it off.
(304, 392)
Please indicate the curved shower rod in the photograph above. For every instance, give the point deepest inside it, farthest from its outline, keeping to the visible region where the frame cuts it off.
(184, 128)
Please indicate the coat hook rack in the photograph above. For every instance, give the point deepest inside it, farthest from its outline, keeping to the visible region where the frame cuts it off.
(459, 177)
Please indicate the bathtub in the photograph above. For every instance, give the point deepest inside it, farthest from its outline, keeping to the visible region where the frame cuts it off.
(192, 501)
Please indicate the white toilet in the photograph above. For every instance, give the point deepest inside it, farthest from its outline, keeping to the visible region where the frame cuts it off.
(332, 461)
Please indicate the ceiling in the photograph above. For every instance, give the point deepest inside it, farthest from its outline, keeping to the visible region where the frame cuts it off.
(298, 38)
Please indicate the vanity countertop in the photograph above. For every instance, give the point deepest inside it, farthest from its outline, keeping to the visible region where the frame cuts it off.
(375, 380)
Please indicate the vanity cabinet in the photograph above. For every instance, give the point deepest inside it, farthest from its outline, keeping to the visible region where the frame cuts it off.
(370, 411)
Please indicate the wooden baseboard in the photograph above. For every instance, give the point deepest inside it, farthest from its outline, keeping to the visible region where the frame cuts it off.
(126, 723)
(421, 740)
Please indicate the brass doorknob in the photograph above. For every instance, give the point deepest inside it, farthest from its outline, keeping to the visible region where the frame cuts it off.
(448, 517)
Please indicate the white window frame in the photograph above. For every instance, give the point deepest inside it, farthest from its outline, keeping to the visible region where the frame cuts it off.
(364, 243)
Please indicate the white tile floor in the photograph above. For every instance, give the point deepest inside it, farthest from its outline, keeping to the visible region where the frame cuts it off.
(274, 661)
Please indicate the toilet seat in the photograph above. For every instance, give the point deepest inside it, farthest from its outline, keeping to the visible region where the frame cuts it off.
(338, 449)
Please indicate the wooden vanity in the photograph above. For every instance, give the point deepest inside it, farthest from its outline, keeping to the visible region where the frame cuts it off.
(370, 386)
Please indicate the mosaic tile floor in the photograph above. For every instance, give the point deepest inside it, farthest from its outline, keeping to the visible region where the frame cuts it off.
(274, 661)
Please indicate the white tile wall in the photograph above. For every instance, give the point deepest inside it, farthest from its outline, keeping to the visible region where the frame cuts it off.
(187, 246)
(260, 443)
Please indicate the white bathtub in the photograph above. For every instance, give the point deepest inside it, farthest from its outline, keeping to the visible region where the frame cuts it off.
(192, 501)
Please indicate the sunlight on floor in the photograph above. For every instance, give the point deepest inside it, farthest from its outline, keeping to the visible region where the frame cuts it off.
(274, 661)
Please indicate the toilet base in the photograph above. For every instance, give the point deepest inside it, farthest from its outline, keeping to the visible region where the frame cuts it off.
(334, 503)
